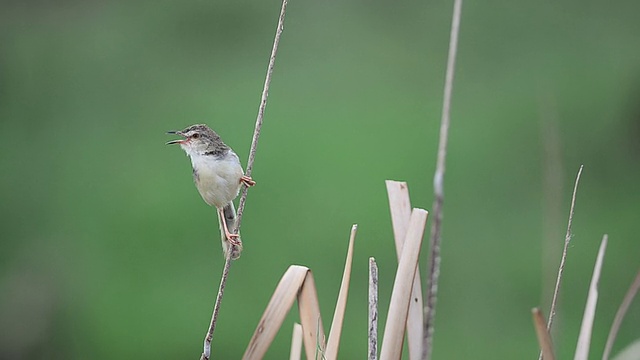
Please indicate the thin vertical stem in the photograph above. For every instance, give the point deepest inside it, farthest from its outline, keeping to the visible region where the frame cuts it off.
(563, 259)
(373, 309)
(252, 154)
(567, 240)
(216, 309)
(438, 186)
(263, 105)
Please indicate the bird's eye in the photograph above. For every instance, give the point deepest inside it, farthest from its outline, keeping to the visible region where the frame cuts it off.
(195, 136)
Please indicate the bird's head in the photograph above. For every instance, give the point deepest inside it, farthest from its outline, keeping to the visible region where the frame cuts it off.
(196, 139)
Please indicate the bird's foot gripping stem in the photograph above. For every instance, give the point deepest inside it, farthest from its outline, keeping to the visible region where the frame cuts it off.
(247, 181)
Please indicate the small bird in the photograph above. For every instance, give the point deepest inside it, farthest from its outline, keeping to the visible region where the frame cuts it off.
(218, 175)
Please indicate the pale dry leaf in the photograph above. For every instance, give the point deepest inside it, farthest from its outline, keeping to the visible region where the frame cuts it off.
(338, 316)
(400, 206)
(403, 283)
(296, 342)
(631, 352)
(584, 339)
(278, 307)
(313, 332)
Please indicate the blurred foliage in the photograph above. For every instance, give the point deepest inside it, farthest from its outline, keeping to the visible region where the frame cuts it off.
(108, 251)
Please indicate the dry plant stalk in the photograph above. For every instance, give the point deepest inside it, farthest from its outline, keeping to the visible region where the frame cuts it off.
(567, 240)
(631, 352)
(438, 186)
(252, 153)
(206, 353)
(622, 311)
(263, 105)
(401, 295)
(297, 283)
(563, 259)
(544, 339)
(373, 309)
(400, 206)
(341, 305)
(584, 339)
(296, 342)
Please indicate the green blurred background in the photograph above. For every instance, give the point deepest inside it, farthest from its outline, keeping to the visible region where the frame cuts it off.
(108, 251)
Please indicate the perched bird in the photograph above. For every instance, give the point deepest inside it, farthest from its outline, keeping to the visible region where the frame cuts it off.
(218, 175)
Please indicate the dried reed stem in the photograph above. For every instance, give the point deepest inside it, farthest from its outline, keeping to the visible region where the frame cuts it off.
(333, 343)
(622, 310)
(373, 309)
(567, 240)
(400, 206)
(252, 154)
(584, 339)
(296, 342)
(544, 339)
(438, 186)
(401, 294)
(263, 105)
(216, 308)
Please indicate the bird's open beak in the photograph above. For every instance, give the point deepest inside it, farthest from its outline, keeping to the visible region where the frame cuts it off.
(176, 132)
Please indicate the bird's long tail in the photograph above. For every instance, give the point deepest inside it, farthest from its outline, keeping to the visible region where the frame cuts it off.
(231, 218)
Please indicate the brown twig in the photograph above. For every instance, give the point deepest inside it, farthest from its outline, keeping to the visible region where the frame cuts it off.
(438, 179)
(567, 240)
(252, 154)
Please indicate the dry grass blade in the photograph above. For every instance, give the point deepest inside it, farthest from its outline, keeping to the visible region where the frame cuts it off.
(278, 307)
(297, 282)
(401, 295)
(622, 311)
(544, 339)
(631, 352)
(433, 265)
(563, 259)
(584, 339)
(373, 309)
(400, 205)
(310, 318)
(338, 316)
(296, 342)
(567, 240)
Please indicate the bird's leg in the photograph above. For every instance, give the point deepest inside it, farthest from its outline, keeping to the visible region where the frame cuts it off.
(247, 181)
(233, 238)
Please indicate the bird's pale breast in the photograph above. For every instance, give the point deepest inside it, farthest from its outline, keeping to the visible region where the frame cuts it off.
(217, 178)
